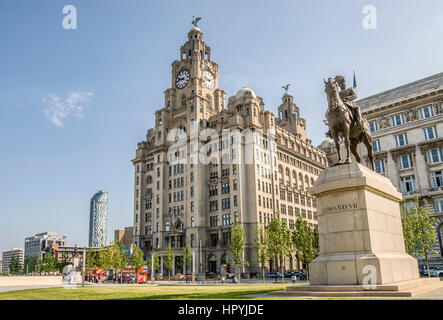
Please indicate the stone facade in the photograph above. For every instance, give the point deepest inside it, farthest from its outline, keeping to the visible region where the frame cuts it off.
(407, 130)
(254, 164)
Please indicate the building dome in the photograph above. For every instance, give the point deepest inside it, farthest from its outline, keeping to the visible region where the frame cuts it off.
(241, 93)
(287, 93)
(195, 29)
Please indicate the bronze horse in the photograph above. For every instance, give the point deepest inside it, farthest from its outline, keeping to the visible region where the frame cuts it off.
(342, 124)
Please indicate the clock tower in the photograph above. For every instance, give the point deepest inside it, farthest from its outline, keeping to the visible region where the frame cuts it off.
(194, 88)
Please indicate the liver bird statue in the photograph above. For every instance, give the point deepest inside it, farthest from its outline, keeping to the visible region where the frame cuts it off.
(286, 87)
(195, 20)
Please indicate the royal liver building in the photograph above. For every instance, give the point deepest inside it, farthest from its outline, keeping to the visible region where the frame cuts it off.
(207, 163)
(98, 219)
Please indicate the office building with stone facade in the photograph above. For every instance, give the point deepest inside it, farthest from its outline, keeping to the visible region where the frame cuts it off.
(407, 130)
(207, 163)
(7, 257)
(36, 244)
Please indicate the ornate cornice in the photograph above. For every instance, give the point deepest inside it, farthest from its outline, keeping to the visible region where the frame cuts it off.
(431, 144)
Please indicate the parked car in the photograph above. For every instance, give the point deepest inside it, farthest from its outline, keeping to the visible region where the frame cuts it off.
(287, 274)
(425, 271)
(274, 275)
(437, 272)
(301, 275)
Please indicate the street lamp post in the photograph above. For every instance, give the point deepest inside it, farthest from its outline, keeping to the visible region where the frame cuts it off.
(193, 266)
(84, 267)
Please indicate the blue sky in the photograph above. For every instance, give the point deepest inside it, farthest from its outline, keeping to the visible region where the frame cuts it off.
(105, 80)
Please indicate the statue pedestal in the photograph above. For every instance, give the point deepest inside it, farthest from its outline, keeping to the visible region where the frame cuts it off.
(360, 230)
(362, 249)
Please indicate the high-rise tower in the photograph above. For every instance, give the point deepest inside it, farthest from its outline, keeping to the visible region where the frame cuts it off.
(98, 218)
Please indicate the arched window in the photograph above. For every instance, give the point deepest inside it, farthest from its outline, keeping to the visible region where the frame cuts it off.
(149, 180)
(183, 100)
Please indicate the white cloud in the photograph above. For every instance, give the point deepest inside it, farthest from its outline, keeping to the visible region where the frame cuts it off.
(57, 109)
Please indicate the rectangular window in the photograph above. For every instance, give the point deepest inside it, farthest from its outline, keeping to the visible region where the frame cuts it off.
(435, 155)
(426, 112)
(408, 184)
(405, 162)
(401, 140)
(398, 119)
(436, 179)
(226, 219)
(376, 146)
(430, 133)
(373, 126)
(439, 205)
(213, 221)
(226, 238)
(379, 166)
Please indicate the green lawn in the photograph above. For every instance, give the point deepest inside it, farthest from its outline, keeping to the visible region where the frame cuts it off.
(218, 292)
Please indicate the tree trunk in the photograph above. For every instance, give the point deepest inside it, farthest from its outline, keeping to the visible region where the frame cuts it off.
(427, 266)
(281, 268)
(308, 275)
(263, 274)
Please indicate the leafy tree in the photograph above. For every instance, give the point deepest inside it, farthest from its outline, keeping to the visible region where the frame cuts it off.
(156, 262)
(14, 266)
(237, 247)
(262, 248)
(118, 258)
(279, 240)
(91, 258)
(107, 261)
(418, 231)
(305, 240)
(169, 260)
(60, 265)
(30, 264)
(187, 258)
(47, 263)
(137, 259)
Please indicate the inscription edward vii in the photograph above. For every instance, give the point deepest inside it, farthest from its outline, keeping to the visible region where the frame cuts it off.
(340, 207)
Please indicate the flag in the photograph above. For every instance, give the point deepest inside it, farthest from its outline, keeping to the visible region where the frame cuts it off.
(355, 82)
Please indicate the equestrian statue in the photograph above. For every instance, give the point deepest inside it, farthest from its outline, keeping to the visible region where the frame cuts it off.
(345, 120)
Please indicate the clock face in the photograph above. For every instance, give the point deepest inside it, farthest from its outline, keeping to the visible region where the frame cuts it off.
(208, 79)
(182, 79)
